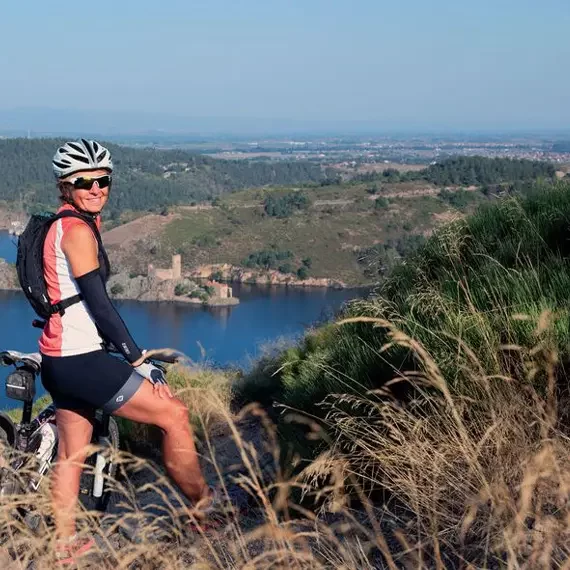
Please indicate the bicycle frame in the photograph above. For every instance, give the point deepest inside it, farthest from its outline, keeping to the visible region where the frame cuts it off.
(38, 436)
(30, 435)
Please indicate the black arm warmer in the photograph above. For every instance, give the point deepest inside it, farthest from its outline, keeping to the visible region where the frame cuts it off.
(106, 317)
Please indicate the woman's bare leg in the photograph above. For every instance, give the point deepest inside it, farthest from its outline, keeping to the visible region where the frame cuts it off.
(178, 448)
(74, 433)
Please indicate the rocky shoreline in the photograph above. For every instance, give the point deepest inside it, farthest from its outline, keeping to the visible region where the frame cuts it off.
(234, 274)
(148, 288)
(188, 289)
(8, 276)
(10, 219)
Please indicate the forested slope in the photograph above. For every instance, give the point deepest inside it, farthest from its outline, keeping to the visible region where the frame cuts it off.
(145, 178)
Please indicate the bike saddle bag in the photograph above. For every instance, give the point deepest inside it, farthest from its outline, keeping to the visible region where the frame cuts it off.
(21, 384)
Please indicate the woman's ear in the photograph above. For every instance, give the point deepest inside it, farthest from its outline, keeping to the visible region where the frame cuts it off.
(64, 192)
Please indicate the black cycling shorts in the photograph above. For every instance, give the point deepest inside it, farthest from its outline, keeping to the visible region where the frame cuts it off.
(94, 380)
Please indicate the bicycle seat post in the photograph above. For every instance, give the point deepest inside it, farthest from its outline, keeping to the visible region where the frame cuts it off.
(27, 412)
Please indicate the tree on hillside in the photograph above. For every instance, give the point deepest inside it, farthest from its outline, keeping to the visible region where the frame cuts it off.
(267, 259)
(476, 170)
(285, 206)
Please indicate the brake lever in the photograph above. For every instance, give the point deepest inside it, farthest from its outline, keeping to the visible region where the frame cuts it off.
(158, 364)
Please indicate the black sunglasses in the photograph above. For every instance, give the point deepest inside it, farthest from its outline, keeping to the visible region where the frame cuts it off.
(84, 183)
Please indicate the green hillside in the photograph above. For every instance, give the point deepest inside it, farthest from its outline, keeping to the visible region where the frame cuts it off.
(353, 231)
(444, 397)
(466, 282)
(337, 227)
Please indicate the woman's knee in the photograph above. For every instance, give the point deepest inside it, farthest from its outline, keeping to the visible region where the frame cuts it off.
(177, 414)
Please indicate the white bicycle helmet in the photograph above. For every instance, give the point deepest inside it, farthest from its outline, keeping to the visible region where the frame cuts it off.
(80, 155)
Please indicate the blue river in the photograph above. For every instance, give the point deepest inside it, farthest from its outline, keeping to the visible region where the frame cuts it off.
(219, 336)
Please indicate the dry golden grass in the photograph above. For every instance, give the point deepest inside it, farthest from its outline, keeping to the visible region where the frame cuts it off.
(476, 478)
(205, 391)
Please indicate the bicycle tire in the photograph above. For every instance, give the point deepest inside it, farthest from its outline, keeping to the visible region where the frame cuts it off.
(9, 484)
(86, 498)
(4, 445)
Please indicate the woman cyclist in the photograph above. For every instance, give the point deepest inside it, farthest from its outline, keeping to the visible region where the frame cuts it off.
(79, 375)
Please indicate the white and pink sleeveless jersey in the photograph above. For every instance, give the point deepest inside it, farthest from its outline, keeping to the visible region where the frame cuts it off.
(74, 332)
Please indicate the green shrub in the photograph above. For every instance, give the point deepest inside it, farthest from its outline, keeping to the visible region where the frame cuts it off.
(267, 259)
(117, 289)
(285, 206)
(457, 198)
(181, 289)
(381, 203)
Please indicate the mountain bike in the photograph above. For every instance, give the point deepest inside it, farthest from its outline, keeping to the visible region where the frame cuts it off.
(29, 446)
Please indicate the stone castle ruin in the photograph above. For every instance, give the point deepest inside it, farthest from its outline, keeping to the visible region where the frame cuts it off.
(174, 273)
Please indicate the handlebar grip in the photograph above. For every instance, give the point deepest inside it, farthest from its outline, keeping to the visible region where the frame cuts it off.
(164, 355)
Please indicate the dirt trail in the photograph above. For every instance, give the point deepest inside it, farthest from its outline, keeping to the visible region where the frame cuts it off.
(145, 522)
(148, 509)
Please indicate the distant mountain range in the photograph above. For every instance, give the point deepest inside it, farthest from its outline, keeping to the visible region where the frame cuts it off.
(135, 126)
(37, 121)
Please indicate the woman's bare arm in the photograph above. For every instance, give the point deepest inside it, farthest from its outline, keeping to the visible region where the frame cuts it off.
(81, 250)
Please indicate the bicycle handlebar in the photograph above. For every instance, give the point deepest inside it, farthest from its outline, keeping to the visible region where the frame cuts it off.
(165, 355)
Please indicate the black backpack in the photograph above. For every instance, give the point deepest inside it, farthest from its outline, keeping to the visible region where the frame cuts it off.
(30, 262)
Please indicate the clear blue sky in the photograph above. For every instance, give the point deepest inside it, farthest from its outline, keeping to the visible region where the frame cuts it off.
(410, 63)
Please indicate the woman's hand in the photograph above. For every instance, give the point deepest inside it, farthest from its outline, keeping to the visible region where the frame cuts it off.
(162, 391)
(156, 377)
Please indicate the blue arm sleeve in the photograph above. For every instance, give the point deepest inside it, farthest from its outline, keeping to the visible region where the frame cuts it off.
(106, 317)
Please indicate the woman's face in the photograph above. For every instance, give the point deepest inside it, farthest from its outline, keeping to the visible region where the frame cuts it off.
(87, 192)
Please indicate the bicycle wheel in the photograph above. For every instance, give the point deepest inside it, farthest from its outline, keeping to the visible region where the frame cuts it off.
(9, 484)
(4, 460)
(86, 496)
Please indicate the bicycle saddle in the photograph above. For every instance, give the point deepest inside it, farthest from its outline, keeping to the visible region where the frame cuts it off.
(12, 357)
